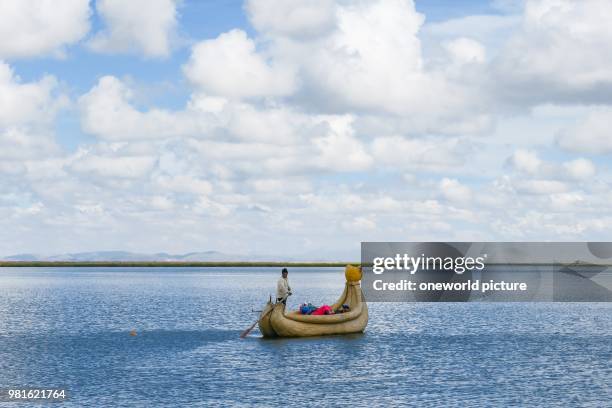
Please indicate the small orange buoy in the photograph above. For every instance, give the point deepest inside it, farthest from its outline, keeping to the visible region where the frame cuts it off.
(133, 333)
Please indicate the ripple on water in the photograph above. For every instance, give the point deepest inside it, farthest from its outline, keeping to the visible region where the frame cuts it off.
(71, 328)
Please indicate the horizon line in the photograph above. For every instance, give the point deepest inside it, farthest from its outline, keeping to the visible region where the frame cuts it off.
(175, 263)
(210, 264)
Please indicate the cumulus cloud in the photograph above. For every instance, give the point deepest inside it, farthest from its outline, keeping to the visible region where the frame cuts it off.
(465, 51)
(294, 18)
(591, 135)
(113, 167)
(526, 161)
(541, 186)
(162, 203)
(359, 224)
(453, 190)
(237, 138)
(25, 102)
(278, 125)
(280, 186)
(230, 66)
(343, 69)
(30, 28)
(182, 183)
(339, 69)
(137, 26)
(546, 177)
(561, 52)
(339, 150)
(313, 144)
(337, 120)
(27, 110)
(107, 112)
(424, 154)
(580, 169)
(21, 143)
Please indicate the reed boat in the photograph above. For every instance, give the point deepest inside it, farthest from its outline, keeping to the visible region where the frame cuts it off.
(275, 321)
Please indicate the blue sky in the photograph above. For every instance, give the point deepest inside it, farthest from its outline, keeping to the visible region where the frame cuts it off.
(270, 127)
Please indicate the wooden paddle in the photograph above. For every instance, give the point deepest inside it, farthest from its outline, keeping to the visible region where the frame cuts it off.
(248, 330)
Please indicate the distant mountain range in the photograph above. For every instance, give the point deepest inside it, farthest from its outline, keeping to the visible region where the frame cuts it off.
(117, 256)
(125, 256)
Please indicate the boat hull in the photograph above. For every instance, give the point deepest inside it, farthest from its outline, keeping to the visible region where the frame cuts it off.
(265, 326)
(276, 322)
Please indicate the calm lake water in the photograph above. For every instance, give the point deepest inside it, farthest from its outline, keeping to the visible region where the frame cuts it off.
(69, 327)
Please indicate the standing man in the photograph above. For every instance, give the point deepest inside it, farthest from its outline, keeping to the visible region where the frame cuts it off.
(283, 290)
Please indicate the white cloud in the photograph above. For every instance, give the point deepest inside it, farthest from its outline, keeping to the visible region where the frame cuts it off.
(580, 169)
(341, 200)
(162, 203)
(45, 169)
(453, 190)
(19, 143)
(108, 167)
(561, 52)
(183, 184)
(313, 127)
(566, 201)
(341, 70)
(295, 18)
(248, 123)
(466, 51)
(591, 135)
(540, 177)
(25, 102)
(526, 161)
(303, 143)
(30, 28)
(541, 186)
(230, 66)
(141, 26)
(345, 67)
(339, 150)
(106, 112)
(27, 111)
(90, 208)
(359, 224)
(425, 154)
(281, 185)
